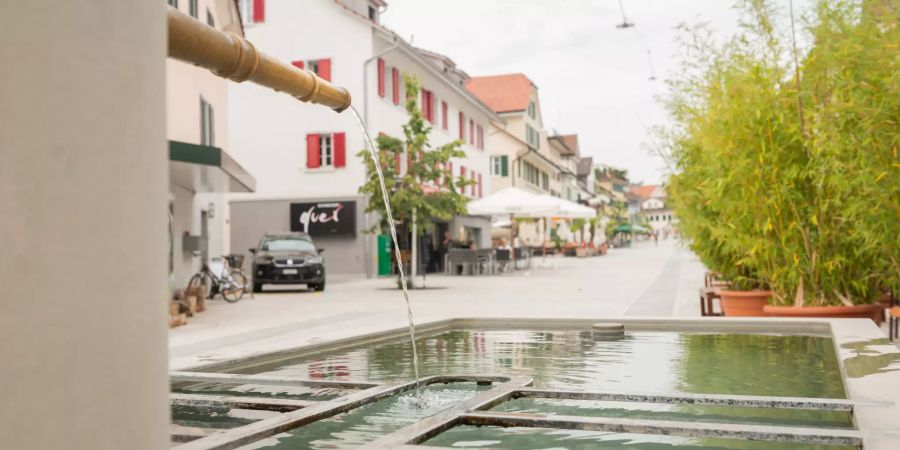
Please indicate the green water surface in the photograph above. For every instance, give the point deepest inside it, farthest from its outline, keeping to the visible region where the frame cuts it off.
(742, 364)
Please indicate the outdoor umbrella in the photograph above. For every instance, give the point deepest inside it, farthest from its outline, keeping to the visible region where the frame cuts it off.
(569, 210)
(514, 202)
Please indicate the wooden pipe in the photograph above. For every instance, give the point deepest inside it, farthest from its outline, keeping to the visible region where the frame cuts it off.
(229, 55)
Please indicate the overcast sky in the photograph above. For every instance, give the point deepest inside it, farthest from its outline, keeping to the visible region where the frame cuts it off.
(593, 78)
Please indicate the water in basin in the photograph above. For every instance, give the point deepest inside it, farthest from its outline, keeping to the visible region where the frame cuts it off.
(741, 364)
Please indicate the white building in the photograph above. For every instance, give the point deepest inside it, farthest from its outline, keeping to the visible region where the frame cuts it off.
(201, 166)
(654, 210)
(307, 155)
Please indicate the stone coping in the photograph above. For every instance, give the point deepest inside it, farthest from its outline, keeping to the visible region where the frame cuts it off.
(868, 361)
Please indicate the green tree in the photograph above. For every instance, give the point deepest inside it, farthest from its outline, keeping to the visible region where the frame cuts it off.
(427, 190)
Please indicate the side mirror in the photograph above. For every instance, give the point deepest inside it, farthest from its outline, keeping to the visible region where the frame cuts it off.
(253, 251)
(320, 250)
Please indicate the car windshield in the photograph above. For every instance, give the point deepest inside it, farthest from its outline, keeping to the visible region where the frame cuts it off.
(286, 244)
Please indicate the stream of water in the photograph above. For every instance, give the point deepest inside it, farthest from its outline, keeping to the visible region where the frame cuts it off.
(390, 218)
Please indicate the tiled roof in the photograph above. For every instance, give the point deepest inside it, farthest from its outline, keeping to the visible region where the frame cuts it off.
(502, 93)
(569, 141)
(644, 192)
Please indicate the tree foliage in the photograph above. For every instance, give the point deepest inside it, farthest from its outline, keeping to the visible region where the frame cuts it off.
(788, 172)
(427, 170)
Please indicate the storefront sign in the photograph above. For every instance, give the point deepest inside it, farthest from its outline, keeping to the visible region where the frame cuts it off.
(324, 218)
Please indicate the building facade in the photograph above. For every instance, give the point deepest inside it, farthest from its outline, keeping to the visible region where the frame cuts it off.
(202, 170)
(654, 211)
(307, 155)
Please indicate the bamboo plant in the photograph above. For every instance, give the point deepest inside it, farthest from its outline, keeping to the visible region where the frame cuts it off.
(787, 167)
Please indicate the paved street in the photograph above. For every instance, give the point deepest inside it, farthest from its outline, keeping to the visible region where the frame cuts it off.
(645, 280)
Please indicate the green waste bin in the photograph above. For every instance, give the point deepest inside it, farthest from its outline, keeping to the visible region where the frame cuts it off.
(384, 254)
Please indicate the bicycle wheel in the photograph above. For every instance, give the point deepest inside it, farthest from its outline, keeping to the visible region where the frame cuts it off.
(201, 279)
(234, 286)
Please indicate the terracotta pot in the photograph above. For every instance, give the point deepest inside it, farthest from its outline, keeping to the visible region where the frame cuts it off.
(874, 312)
(744, 303)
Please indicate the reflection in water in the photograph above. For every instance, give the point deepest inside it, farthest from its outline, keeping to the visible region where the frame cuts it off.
(800, 366)
(544, 439)
(868, 360)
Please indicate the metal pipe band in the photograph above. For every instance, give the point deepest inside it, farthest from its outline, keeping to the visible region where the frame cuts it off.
(231, 56)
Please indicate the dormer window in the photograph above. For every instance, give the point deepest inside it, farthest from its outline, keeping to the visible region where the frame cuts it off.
(373, 12)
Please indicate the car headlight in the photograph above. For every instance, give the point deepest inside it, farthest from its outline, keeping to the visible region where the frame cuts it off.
(315, 260)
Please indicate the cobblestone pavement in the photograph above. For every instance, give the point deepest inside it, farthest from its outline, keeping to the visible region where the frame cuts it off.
(644, 280)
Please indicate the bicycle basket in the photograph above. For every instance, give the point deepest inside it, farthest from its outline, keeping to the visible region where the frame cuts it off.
(235, 260)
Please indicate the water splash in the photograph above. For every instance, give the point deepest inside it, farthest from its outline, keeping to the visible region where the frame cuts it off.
(390, 218)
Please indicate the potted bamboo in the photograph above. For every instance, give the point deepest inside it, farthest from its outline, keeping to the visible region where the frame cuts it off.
(786, 166)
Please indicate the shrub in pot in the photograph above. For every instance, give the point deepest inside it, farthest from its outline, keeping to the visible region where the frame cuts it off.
(787, 165)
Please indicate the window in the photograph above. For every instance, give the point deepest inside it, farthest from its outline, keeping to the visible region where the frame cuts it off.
(209, 18)
(193, 8)
(207, 130)
(373, 14)
(462, 126)
(479, 138)
(252, 11)
(546, 180)
(444, 120)
(428, 105)
(326, 150)
(532, 137)
(532, 174)
(532, 110)
(471, 132)
(173, 3)
(320, 67)
(500, 165)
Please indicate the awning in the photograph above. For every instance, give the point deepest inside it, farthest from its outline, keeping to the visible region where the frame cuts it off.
(201, 168)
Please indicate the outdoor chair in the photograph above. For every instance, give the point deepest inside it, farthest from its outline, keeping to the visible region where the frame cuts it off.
(502, 259)
(707, 295)
(485, 258)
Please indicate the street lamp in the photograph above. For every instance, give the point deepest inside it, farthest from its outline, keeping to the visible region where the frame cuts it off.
(625, 23)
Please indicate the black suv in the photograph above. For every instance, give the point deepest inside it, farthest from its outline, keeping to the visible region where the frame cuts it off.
(288, 258)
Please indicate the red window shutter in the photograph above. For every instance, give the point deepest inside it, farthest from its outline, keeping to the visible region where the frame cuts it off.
(462, 126)
(340, 149)
(395, 80)
(444, 115)
(380, 77)
(312, 151)
(471, 132)
(259, 10)
(325, 69)
(297, 64)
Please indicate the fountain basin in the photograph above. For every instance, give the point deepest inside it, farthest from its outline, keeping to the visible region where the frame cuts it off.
(677, 373)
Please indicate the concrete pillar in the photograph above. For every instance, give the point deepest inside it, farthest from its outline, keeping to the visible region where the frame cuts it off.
(83, 182)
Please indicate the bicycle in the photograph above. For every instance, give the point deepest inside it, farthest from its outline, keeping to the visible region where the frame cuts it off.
(216, 278)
